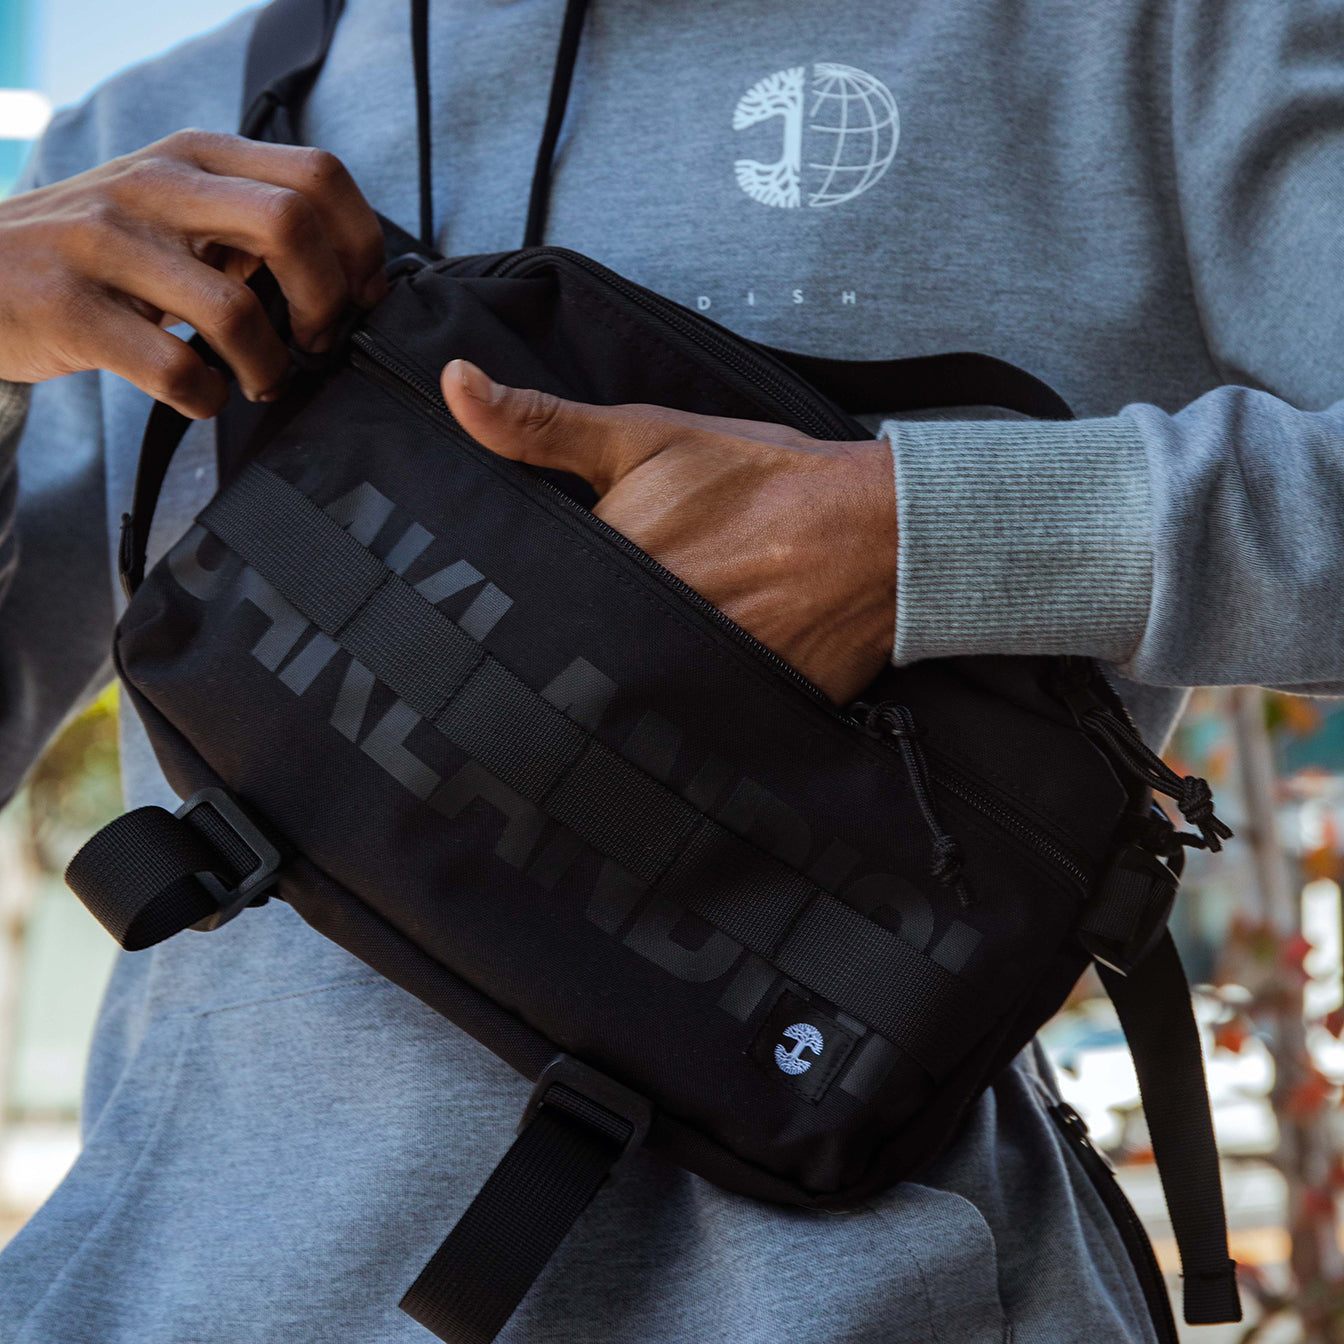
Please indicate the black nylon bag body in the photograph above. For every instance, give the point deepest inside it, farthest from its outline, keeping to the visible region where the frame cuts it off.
(743, 857)
(502, 756)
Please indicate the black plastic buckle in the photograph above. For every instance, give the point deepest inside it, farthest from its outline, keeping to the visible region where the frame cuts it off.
(602, 1091)
(232, 900)
(1122, 951)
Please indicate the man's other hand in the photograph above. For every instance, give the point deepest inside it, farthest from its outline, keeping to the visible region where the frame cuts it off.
(793, 538)
(93, 267)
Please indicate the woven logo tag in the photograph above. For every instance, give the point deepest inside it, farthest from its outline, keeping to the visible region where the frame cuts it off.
(801, 1047)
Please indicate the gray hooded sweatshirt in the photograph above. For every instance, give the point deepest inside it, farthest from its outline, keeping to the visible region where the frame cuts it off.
(1138, 201)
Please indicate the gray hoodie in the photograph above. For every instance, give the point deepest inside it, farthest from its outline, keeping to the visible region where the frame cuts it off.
(1138, 201)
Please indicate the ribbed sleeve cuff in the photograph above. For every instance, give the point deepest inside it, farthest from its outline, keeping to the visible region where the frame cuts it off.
(1021, 537)
(13, 410)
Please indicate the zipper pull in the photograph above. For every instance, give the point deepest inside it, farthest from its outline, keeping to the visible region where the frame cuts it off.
(896, 721)
(1193, 797)
(1076, 1128)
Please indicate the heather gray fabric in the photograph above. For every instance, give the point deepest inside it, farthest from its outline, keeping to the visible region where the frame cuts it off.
(276, 1139)
(1244, 530)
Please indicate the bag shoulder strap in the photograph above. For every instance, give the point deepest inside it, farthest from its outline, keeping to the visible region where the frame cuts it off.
(1153, 1004)
(955, 379)
(285, 52)
(289, 42)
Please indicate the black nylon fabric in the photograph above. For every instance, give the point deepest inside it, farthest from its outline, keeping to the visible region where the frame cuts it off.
(619, 943)
(621, 811)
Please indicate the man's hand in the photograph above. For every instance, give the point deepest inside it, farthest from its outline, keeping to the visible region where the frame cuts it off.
(794, 538)
(93, 267)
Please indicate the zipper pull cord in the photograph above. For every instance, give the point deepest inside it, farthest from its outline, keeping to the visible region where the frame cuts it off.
(1193, 796)
(898, 722)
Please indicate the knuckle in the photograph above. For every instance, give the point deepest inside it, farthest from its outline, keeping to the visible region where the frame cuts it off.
(174, 376)
(539, 412)
(288, 218)
(138, 177)
(322, 170)
(189, 143)
(234, 310)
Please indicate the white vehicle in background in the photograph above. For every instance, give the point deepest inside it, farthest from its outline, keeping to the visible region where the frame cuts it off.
(1096, 1077)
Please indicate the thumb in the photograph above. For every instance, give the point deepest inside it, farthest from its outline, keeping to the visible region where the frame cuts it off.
(594, 442)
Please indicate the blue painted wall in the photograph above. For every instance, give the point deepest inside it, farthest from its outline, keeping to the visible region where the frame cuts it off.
(64, 48)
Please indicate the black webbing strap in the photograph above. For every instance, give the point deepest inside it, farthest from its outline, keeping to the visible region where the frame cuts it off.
(886, 386)
(151, 873)
(1153, 1003)
(480, 1274)
(1127, 914)
(448, 679)
(140, 877)
(289, 42)
(163, 432)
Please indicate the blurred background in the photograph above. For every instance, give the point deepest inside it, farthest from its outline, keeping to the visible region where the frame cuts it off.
(1259, 927)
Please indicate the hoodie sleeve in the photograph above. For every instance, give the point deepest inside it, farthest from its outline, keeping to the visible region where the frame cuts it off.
(1204, 547)
(56, 609)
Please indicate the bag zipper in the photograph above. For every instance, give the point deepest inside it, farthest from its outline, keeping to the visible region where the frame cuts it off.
(761, 371)
(385, 366)
(366, 347)
(1132, 1232)
(959, 786)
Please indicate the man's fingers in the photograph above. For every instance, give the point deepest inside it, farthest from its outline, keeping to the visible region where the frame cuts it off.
(129, 345)
(599, 443)
(282, 227)
(348, 221)
(220, 307)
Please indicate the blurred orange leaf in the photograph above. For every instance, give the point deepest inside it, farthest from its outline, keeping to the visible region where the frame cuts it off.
(1322, 863)
(1294, 714)
(1317, 1203)
(1293, 951)
(1308, 1097)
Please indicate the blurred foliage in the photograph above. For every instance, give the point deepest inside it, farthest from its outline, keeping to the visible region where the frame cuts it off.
(1261, 979)
(76, 786)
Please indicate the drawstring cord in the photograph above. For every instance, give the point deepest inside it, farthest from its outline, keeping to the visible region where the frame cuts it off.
(898, 722)
(567, 52)
(1193, 796)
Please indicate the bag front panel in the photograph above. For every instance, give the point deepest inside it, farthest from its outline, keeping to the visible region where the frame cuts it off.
(603, 957)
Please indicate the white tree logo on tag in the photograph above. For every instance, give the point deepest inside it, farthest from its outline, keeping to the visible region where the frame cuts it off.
(804, 1037)
(839, 135)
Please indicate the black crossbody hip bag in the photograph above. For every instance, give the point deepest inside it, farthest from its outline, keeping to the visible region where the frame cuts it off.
(485, 743)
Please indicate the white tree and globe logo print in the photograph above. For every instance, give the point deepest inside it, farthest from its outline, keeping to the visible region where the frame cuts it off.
(839, 135)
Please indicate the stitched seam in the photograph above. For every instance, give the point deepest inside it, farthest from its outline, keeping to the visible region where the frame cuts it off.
(283, 998)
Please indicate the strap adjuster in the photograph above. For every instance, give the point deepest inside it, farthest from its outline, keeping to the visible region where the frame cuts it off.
(231, 900)
(577, 1078)
(1127, 917)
